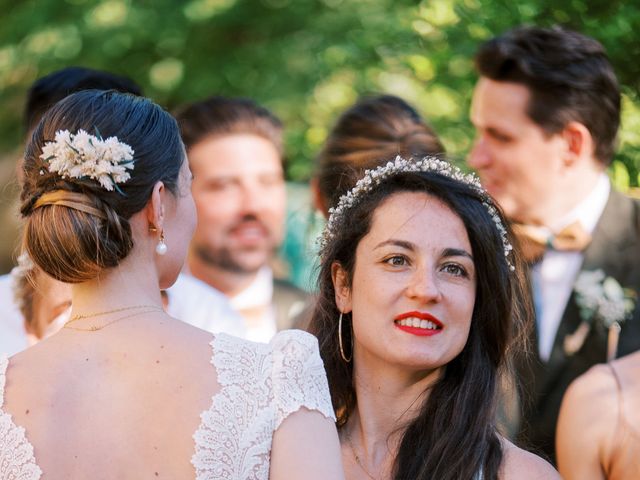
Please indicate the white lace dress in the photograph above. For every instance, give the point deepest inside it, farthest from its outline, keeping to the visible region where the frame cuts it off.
(261, 384)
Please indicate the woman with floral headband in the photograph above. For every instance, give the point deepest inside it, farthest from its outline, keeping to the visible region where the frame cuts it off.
(123, 390)
(420, 299)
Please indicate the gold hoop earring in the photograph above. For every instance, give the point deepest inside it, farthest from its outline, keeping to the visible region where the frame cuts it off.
(344, 357)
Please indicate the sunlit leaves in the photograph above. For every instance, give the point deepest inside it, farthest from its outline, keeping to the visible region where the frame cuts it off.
(306, 59)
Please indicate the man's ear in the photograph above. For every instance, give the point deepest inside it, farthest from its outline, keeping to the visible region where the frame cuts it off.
(341, 287)
(155, 207)
(579, 143)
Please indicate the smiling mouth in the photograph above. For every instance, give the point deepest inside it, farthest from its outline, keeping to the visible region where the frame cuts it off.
(415, 322)
(419, 323)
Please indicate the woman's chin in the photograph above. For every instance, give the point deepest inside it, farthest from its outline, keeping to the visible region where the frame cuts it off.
(168, 279)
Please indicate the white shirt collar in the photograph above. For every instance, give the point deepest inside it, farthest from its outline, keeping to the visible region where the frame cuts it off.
(259, 292)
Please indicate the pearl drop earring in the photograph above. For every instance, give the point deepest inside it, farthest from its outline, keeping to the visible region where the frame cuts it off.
(161, 247)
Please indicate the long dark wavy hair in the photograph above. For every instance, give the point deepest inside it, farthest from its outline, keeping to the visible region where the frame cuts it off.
(454, 435)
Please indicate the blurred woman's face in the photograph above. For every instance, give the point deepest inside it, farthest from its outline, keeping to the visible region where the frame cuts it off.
(414, 285)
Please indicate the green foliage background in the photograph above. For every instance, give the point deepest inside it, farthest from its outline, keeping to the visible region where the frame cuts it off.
(305, 59)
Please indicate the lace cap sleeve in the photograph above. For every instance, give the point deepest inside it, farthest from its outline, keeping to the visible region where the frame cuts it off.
(4, 363)
(16, 453)
(298, 375)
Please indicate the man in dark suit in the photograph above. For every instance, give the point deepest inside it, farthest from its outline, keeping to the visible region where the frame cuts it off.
(236, 156)
(546, 110)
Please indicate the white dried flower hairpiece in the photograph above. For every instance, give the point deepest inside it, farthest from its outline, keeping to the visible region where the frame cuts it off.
(373, 178)
(82, 155)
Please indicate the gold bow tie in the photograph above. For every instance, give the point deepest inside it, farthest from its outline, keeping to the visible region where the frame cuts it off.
(533, 241)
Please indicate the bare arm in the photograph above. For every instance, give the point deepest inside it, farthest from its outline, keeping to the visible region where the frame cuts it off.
(587, 422)
(306, 447)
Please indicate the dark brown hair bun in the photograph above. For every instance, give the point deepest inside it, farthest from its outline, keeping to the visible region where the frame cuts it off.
(74, 227)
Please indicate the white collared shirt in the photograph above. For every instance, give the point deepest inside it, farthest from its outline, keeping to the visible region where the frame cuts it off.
(13, 337)
(198, 304)
(258, 294)
(553, 277)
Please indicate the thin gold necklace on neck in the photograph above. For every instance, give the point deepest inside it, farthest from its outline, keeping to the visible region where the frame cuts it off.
(92, 328)
(357, 458)
(80, 316)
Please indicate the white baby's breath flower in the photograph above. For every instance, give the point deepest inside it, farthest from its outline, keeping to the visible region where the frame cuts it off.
(612, 289)
(610, 311)
(589, 279)
(82, 155)
(82, 142)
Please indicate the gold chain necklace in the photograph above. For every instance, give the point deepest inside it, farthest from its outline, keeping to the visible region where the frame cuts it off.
(80, 316)
(358, 461)
(93, 328)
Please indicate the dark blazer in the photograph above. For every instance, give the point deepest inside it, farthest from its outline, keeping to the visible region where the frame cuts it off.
(615, 248)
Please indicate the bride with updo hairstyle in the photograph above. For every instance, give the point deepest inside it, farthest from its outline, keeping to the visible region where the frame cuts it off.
(77, 243)
(123, 390)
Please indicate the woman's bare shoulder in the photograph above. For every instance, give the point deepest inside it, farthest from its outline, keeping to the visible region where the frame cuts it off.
(518, 464)
(591, 398)
(597, 381)
(629, 367)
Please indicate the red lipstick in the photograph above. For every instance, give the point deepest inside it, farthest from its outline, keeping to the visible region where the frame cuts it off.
(421, 332)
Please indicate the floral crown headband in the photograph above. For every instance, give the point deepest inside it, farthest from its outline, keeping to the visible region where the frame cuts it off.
(82, 155)
(373, 178)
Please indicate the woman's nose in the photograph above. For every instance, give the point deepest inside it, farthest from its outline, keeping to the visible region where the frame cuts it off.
(424, 286)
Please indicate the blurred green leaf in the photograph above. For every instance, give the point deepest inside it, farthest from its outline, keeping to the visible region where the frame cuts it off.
(306, 59)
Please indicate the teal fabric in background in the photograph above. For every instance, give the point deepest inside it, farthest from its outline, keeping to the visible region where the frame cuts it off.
(297, 258)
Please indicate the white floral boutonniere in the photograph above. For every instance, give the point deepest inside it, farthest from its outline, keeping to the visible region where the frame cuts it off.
(600, 299)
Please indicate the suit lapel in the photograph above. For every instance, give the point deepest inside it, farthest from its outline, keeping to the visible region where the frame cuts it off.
(613, 233)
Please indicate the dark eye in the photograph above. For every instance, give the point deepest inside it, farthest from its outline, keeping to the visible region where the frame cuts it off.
(219, 184)
(455, 269)
(397, 261)
(500, 137)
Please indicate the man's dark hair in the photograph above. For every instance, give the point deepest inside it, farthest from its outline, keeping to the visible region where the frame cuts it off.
(220, 116)
(50, 89)
(569, 77)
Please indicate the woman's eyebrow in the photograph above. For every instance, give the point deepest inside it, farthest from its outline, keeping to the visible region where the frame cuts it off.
(456, 252)
(397, 243)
